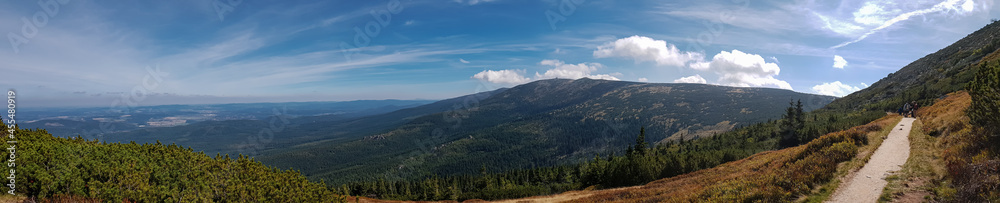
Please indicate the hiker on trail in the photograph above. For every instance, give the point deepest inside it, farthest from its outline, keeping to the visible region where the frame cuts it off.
(913, 111)
(906, 109)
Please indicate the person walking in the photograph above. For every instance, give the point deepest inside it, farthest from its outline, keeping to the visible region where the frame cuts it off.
(906, 109)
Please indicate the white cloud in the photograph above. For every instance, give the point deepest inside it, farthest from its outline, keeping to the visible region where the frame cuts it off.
(734, 68)
(839, 62)
(559, 70)
(691, 79)
(571, 71)
(743, 70)
(869, 12)
(863, 84)
(409, 22)
(643, 80)
(872, 14)
(462, 60)
(835, 88)
(775, 59)
(843, 28)
(472, 2)
(502, 76)
(640, 48)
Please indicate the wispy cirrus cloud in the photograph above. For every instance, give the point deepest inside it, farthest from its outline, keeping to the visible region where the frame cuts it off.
(869, 14)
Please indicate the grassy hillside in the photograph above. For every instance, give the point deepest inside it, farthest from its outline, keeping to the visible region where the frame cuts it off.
(543, 123)
(773, 176)
(970, 152)
(72, 169)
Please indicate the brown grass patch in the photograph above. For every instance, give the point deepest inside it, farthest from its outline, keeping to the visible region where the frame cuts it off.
(771, 176)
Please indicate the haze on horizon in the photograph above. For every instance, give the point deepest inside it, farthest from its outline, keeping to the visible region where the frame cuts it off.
(62, 53)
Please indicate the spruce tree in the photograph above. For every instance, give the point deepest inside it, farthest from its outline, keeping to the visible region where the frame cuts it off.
(640, 142)
(789, 125)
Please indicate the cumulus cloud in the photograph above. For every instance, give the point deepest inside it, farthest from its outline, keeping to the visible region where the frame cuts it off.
(873, 14)
(835, 88)
(691, 79)
(643, 80)
(839, 62)
(734, 68)
(743, 70)
(640, 48)
(571, 71)
(559, 69)
(502, 76)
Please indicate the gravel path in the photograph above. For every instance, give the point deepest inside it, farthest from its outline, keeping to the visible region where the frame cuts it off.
(867, 184)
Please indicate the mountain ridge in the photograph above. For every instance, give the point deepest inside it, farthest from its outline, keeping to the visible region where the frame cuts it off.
(551, 117)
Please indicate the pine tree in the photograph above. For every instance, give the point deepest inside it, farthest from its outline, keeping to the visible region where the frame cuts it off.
(640, 142)
(791, 122)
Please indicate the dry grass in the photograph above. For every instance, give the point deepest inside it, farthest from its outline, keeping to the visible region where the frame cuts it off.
(767, 176)
(973, 170)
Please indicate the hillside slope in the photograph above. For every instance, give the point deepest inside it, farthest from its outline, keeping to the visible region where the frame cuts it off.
(927, 78)
(542, 123)
(74, 170)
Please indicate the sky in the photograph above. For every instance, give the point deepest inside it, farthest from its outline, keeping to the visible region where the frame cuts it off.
(75, 53)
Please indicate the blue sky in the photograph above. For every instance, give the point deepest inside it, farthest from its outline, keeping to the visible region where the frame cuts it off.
(95, 53)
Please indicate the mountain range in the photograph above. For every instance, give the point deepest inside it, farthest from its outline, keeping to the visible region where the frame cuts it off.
(542, 123)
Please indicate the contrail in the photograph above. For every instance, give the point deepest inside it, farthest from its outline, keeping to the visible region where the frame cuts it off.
(943, 6)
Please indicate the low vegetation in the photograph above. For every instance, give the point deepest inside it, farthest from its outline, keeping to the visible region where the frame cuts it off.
(968, 140)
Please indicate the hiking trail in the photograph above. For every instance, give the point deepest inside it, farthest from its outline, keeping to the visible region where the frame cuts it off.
(867, 183)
